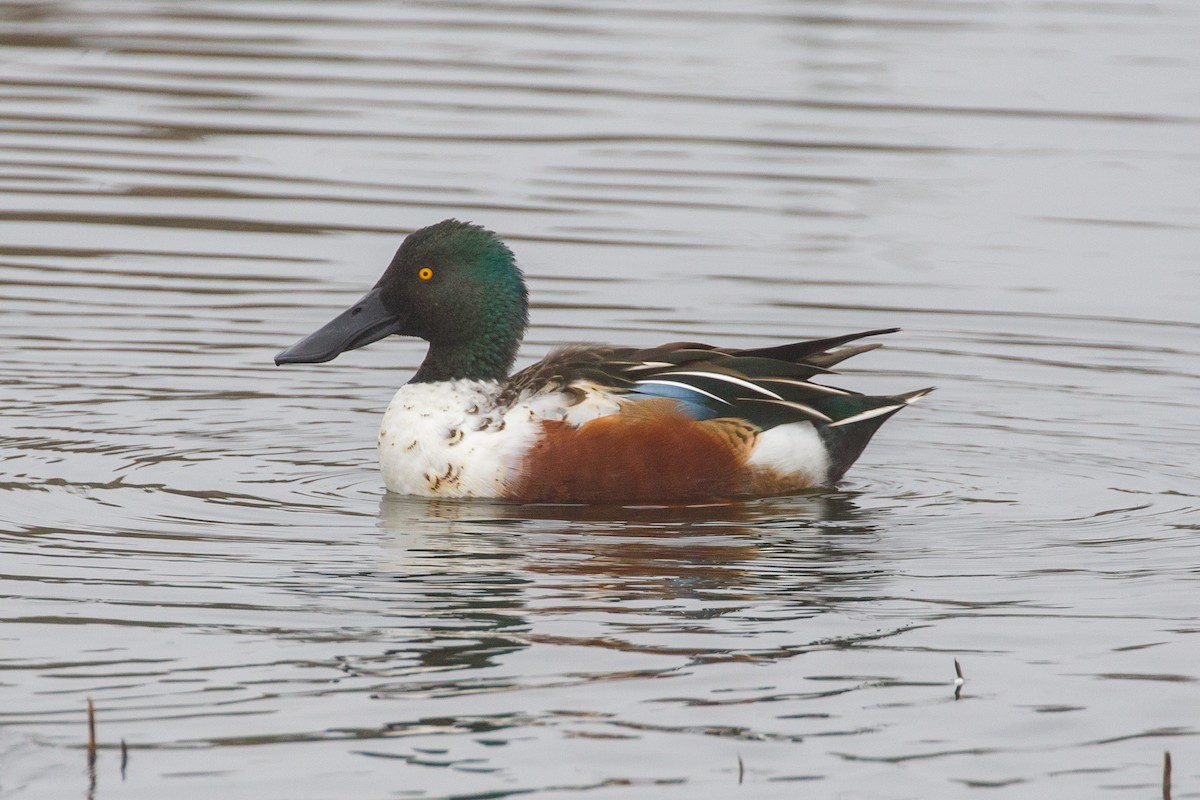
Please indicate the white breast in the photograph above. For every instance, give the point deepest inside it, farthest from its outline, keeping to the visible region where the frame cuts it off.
(454, 439)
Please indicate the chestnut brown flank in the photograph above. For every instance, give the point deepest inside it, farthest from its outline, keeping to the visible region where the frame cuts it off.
(649, 453)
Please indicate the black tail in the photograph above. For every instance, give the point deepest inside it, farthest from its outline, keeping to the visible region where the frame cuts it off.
(846, 439)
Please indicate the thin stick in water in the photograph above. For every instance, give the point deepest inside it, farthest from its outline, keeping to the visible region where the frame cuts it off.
(1166, 775)
(91, 747)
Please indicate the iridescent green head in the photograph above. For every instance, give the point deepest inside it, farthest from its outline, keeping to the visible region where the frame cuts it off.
(454, 284)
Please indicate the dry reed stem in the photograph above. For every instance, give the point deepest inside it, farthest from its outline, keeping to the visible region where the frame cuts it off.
(91, 722)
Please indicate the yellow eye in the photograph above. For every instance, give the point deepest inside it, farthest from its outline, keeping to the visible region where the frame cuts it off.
(424, 273)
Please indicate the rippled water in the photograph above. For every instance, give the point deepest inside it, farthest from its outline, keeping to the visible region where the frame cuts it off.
(200, 542)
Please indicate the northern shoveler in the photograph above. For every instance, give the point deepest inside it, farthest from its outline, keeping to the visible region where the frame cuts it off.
(588, 424)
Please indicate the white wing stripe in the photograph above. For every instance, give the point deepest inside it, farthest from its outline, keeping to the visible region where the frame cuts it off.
(716, 376)
(807, 411)
(687, 386)
(649, 365)
(820, 388)
(874, 412)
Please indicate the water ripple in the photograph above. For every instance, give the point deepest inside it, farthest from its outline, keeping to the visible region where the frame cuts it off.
(200, 542)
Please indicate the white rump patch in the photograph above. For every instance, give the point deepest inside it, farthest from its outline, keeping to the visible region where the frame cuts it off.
(794, 449)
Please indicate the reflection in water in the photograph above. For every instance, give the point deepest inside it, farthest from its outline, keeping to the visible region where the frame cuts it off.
(590, 600)
(685, 551)
(511, 565)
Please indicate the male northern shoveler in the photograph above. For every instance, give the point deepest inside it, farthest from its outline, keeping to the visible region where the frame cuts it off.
(680, 422)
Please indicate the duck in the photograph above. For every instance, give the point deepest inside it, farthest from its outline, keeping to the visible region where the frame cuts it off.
(677, 423)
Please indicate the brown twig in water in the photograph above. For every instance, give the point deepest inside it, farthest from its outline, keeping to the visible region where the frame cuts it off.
(1166, 775)
(124, 758)
(742, 772)
(91, 747)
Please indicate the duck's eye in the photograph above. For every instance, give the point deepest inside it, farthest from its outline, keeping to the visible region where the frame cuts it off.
(424, 273)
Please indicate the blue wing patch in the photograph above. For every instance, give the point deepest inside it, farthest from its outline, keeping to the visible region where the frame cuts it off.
(692, 401)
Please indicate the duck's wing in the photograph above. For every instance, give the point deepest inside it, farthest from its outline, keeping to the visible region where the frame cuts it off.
(766, 387)
(748, 382)
(771, 387)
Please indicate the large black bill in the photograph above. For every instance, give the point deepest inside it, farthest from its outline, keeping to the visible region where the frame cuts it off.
(364, 322)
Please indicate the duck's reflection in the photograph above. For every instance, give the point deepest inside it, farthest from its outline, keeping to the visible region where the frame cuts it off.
(746, 551)
(602, 593)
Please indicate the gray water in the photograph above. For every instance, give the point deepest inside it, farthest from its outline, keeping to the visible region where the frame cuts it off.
(200, 542)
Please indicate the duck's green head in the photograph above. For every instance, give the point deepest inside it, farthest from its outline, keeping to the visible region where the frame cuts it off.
(454, 284)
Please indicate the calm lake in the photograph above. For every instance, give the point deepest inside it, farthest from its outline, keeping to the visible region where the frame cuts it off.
(200, 542)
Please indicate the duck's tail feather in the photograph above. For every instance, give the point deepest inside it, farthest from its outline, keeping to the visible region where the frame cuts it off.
(847, 437)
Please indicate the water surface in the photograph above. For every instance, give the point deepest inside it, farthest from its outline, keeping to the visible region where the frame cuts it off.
(200, 542)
